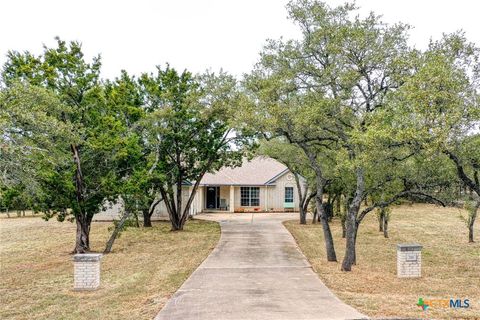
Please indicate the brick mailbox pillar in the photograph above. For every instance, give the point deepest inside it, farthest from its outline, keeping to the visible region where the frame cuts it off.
(409, 260)
(86, 271)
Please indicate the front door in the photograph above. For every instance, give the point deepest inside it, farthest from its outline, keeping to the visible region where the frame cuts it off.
(212, 195)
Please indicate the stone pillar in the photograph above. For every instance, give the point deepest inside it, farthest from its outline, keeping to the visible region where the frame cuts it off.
(87, 271)
(409, 260)
(231, 204)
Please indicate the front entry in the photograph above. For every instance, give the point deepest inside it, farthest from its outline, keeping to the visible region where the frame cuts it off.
(213, 197)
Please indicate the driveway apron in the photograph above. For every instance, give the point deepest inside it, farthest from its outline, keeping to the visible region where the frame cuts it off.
(255, 272)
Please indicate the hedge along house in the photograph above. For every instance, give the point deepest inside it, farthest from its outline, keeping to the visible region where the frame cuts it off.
(258, 185)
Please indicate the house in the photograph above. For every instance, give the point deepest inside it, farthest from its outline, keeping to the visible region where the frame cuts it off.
(258, 185)
(262, 184)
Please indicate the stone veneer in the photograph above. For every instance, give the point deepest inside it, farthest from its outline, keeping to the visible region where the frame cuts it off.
(87, 271)
(409, 260)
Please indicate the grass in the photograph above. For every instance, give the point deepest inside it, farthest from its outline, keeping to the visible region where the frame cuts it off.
(450, 265)
(137, 278)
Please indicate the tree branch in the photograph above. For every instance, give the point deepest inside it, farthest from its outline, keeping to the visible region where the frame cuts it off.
(461, 172)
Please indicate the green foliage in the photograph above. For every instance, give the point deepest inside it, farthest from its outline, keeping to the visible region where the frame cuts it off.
(135, 175)
(327, 93)
(189, 130)
(189, 124)
(66, 106)
(32, 143)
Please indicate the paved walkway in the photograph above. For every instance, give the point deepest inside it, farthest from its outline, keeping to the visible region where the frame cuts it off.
(255, 272)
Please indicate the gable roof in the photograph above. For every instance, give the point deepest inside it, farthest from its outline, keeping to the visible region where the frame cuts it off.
(256, 172)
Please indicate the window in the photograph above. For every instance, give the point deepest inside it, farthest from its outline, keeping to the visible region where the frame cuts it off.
(254, 196)
(289, 194)
(249, 196)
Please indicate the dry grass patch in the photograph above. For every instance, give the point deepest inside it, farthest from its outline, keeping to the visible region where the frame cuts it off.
(144, 269)
(450, 266)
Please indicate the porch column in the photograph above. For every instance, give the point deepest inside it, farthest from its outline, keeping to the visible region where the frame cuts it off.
(266, 198)
(231, 205)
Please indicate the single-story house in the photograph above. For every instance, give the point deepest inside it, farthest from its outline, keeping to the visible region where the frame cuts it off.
(258, 185)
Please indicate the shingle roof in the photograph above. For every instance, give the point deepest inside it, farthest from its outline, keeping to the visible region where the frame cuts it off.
(257, 171)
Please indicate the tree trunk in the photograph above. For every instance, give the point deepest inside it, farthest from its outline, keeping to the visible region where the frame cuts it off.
(344, 217)
(167, 195)
(471, 222)
(357, 225)
(320, 183)
(137, 223)
(306, 204)
(351, 222)
(174, 212)
(302, 196)
(328, 208)
(385, 226)
(338, 204)
(350, 252)
(303, 215)
(315, 212)
(176, 224)
(470, 233)
(147, 218)
(116, 231)
(82, 242)
(178, 216)
(327, 233)
(82, 237)
(381, 219)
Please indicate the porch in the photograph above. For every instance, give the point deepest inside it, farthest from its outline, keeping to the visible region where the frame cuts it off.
(239, 198)
(219, 198)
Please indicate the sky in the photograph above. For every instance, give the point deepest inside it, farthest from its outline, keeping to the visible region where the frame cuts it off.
(198, 34)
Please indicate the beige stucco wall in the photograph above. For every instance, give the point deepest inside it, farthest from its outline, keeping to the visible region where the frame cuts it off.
(276, 193)
(199, 200)
(273, 196)
(225, 193)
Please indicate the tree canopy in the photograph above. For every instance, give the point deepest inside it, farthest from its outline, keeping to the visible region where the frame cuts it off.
(349, 106)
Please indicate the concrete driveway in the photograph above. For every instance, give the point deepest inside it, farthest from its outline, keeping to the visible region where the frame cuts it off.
(255, 272)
